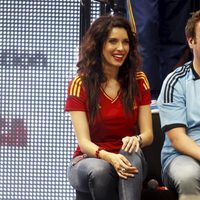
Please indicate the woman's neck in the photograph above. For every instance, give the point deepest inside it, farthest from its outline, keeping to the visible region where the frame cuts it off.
(111, 72)
(111, 87)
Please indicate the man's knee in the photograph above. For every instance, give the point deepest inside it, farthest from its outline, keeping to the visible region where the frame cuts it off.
(188, 181)
(189, 197)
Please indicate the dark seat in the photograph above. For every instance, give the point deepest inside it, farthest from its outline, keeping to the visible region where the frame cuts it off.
(152, 155)
(83, 196)
(152, 152)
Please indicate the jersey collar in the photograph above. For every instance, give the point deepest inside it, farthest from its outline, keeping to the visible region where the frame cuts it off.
(196, 76)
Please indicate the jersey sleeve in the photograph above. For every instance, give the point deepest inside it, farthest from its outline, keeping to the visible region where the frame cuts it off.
(76, 98)
(171, 103)
(144, 88)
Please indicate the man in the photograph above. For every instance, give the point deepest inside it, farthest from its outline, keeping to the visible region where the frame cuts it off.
(179, 107)
(160, 28)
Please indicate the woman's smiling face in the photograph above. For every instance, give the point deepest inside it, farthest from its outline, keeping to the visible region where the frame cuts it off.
(115, 48)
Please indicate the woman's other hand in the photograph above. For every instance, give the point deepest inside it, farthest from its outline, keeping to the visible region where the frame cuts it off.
(130, 144)
(122, 166)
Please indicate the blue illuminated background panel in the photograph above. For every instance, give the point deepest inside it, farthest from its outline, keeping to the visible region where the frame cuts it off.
(39, 47)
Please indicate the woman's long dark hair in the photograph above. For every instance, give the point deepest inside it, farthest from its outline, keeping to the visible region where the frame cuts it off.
(90, 67)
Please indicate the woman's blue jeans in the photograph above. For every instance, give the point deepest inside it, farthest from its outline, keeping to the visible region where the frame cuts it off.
(99, 178)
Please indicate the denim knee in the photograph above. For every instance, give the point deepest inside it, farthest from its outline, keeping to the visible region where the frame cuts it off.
(103, 175)
(103, 182)
(138, 160)
(184, 174)
(188, 181)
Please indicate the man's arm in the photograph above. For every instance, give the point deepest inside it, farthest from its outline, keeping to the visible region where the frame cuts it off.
(182, 143)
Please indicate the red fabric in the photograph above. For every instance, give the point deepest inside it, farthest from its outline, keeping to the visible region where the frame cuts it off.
(111, 123)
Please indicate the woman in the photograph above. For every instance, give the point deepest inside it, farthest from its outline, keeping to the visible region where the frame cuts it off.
(109, 105)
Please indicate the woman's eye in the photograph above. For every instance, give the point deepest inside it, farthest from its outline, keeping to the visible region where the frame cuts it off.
(126, 42)
(113, 41)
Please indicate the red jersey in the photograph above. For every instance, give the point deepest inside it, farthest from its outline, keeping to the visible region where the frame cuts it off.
(111, 123)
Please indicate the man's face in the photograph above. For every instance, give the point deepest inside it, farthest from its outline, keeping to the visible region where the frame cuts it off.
(194, 43)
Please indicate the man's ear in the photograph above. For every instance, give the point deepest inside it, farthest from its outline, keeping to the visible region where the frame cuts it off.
(190, 42)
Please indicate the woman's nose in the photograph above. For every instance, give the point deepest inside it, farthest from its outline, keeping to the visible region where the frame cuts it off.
(120, 46)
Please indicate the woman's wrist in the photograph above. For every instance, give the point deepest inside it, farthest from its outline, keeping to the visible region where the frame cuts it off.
(105, 155)
(140, 140)
(98, 152)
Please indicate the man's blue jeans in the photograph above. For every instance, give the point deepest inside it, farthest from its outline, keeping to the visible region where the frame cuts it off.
(183, 176)
(99, 178)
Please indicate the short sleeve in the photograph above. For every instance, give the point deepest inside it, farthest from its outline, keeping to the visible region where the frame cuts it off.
(76, 97)
(171, 104)
(145, 98)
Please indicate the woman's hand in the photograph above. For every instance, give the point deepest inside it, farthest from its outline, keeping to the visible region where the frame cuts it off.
(122, 166)
(130, 144)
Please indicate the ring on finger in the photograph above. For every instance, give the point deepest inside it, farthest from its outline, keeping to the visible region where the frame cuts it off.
(122, 170)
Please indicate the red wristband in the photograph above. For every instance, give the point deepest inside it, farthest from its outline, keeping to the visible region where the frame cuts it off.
(97, 151)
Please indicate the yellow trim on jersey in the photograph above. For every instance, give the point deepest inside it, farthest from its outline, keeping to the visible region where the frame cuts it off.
(75, 87)
(111, 99)
(141, 75)
(131, 17)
